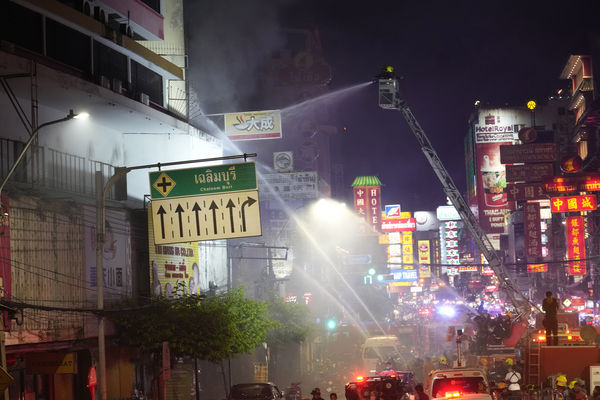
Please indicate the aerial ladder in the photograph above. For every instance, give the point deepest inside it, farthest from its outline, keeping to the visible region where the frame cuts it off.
(390, 99)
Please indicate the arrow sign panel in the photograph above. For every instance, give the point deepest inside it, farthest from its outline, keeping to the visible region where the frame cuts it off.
(206, 217)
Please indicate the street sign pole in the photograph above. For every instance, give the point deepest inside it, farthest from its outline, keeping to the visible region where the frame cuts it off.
(101, 194)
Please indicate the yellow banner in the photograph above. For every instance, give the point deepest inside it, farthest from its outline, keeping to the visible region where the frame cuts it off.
(253, 125)
(174, 270)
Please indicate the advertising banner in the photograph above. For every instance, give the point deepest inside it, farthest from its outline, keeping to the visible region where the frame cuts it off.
(289, 186)
(496, 125)
(528, 153)
(5, 256)
(116, 255)
(576, 246)
(451, 242)
(392, 211)
(424, 251)
(533, 230)
(578, 183)
(407, 248)
(468, 268)
(253, 125)
(529, 172)
(573, 203)
(537, 267)
(491, 187)
(398, 225)
(174, 269)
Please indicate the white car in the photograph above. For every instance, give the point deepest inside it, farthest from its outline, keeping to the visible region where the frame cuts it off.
(459, 383)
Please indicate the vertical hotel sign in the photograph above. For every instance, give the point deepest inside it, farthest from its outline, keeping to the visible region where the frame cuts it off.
(253, 125)
(367, 199)
(576, 246)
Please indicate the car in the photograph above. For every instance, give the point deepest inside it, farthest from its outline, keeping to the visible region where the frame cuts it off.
(255, 391)
(459, 383)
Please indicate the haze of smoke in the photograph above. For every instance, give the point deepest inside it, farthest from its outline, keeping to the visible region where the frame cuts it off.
(228, 40)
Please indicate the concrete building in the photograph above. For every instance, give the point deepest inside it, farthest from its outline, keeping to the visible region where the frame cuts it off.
(124, 63)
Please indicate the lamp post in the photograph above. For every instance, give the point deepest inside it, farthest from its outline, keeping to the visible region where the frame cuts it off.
(34, 135)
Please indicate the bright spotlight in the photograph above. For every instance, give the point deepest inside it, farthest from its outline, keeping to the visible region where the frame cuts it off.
(447, 311)
(82, 115)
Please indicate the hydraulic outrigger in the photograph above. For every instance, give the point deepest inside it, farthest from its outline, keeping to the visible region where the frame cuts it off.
(389, 98)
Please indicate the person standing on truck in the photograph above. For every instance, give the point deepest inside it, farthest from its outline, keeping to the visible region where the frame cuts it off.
(550, 307)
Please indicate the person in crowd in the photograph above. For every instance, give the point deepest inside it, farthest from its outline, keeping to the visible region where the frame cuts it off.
(333, 396)
(561, 387)
(576, 392)
(550, 307)
(512, 378)
(420, 393)
(316, 394)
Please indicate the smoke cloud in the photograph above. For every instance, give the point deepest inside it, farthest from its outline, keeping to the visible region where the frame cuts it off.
(228, 41)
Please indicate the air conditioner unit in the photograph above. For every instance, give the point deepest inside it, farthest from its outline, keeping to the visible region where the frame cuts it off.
(104, 82)
(144, 98)
(87, 8)
(117, 85)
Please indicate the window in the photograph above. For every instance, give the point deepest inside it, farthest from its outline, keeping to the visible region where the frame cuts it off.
(67, 46)
(153, 4)
(110, 63)
(27, 33)
(144, 80)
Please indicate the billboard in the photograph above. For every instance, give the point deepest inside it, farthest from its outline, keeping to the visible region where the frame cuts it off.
(174, 269)
(526, 191)
(576, 245)
(492, 195)
(528, 153)
(253, 125)
(578, 183)
(289, 186)
(398, 225)
(537, 267)
(367, 202)
(529, 172)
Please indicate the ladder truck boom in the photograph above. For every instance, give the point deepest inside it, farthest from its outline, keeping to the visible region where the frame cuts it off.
(389, 98)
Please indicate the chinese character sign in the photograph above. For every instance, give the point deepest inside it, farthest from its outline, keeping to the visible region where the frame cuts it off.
(253, 125)
(407, 249)
(360, 200)
(576, 245)
(537, 267)
(573, 203)
(533, 230)
(450, 239)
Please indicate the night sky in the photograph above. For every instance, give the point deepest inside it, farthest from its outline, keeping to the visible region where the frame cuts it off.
(449, 53)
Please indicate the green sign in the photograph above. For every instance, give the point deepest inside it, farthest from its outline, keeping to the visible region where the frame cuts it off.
(205, 180)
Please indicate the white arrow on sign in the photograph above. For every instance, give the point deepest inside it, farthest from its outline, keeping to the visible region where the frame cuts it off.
(206, 217)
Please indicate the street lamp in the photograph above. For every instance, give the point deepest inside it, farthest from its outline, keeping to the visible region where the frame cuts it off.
(33, 136)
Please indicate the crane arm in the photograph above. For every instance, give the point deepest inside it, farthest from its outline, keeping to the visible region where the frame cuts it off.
(389, 99)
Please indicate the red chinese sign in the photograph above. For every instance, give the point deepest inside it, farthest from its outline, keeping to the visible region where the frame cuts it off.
(367, 202)
(360, 200)
(533, 230)
(526, 191)
(576, 245)
(573, 203)
(567, 184)
(537, 267)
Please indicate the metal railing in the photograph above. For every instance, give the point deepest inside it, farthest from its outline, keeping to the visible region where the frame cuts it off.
(53, 170)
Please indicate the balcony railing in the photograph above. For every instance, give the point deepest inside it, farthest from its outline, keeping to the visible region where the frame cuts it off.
(54, 170)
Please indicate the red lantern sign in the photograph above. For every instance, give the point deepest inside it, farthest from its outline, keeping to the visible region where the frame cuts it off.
(573, 203)
(571, 164)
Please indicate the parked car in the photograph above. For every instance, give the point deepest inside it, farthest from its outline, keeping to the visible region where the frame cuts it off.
(463, 383)
(255, 391)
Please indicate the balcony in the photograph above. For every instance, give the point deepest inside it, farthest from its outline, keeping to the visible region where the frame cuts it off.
(55, 172)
